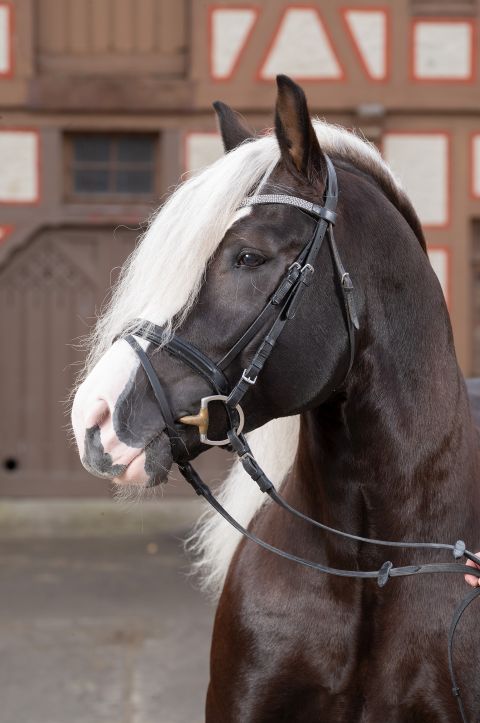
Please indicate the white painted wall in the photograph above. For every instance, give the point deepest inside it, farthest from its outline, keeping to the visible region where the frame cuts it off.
(201, 149)
(19, 161)
(229, 32)
(420, 161)
(302, 48)
(442, 50)
(369, 30)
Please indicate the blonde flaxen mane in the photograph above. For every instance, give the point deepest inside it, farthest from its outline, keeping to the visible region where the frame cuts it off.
(161, 280)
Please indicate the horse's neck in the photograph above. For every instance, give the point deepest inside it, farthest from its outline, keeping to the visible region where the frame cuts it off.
(397, 458)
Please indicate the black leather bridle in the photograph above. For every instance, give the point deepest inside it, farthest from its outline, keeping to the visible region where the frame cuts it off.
(283, 304)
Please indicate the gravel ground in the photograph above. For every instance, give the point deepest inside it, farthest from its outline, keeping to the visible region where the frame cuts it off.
(101, 629)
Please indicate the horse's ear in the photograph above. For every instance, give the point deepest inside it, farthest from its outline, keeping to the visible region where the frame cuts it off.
(295, 133)
(233, 129)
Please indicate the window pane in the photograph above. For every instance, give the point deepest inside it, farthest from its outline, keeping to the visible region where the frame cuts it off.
(92, 147)
(91, 181)
(136, 148)
(134, 181)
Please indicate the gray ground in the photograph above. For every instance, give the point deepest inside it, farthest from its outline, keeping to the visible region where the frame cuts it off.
(97, 629)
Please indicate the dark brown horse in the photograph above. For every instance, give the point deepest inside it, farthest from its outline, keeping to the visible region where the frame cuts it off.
(388, 452)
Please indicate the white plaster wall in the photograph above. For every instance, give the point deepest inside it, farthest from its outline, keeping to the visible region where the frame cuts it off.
(439, 260)
(442, 50)
(201, 149)
(4, 40)
(369, 29)
(421, 163)
(302, 48)
(230, 29)
(476, 165)
(19, 181)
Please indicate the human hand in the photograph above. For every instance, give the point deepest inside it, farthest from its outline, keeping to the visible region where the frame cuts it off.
(471, 579)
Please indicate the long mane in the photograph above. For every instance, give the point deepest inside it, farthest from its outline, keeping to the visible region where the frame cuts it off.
(161, 280)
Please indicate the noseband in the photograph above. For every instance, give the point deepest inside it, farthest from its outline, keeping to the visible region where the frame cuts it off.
(284, 303)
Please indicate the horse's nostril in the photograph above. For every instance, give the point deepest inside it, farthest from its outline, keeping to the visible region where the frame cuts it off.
(98, 414)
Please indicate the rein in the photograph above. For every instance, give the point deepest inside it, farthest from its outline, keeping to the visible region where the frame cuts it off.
(284, 302)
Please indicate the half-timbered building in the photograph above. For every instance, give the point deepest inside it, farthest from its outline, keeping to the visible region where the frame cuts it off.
(104, 104)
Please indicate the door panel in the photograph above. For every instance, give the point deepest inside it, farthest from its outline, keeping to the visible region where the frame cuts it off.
(49, 293)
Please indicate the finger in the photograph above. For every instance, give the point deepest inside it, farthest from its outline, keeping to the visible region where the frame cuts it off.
(472, 580)
(471, 563)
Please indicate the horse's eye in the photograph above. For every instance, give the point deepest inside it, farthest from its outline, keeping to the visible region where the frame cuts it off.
(250, 259)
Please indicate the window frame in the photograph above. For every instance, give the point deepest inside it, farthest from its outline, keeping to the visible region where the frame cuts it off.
(71, 195)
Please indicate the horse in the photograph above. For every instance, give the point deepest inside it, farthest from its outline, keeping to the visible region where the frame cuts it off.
(360, 416)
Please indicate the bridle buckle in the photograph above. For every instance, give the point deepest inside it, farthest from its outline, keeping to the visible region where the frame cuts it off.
(346, 281)
(248, 379)
(201, 420)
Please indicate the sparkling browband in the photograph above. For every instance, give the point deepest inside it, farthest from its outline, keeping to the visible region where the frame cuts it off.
(289, 200)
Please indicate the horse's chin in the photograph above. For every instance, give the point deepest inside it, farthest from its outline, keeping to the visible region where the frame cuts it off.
(136, 492)
(147, 470)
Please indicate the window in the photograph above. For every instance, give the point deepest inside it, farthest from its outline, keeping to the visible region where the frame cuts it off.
(119, 166)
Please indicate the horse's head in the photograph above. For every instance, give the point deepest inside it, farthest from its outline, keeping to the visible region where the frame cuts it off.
(208, 267)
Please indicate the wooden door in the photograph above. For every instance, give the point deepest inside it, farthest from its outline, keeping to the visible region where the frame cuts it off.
(50, 291)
